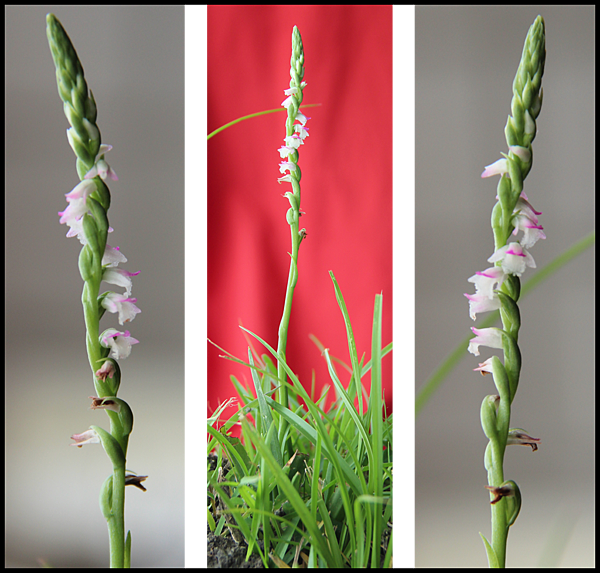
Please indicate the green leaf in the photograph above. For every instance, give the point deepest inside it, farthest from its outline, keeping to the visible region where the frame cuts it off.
(266, 415)
(491, 554)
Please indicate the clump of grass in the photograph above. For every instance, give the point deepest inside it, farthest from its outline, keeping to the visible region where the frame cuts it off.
(329, 504)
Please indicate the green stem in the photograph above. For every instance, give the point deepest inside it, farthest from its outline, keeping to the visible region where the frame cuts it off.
(293, 219)
(112, 497)
(499, 522)
(116, 523)
(285, 320)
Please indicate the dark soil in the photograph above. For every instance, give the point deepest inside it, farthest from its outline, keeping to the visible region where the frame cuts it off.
(224, 552)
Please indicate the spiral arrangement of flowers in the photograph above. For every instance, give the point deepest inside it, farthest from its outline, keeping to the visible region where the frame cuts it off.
(498, 287)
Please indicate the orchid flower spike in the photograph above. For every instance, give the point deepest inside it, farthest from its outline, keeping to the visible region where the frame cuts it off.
(499, 287)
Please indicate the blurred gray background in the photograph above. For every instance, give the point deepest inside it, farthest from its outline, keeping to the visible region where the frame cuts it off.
(133, 59)
(466, 59)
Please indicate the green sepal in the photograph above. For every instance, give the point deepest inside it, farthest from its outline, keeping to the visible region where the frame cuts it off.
(511, 317)
(491, 554)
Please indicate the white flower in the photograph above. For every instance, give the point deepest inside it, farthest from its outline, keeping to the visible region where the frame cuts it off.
(515, 259)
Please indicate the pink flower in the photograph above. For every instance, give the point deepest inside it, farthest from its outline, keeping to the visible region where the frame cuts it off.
(120, 343)
(101, 167)
(126, 308)
(482, 303)
(77, 199)
(491, 337)
(119, 277)
(112, 257)
(88, 437)
(499, 167)
(514, 259)
(107, 370)
(485, 281)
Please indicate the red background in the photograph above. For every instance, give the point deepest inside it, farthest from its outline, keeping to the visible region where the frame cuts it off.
(346, 185)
